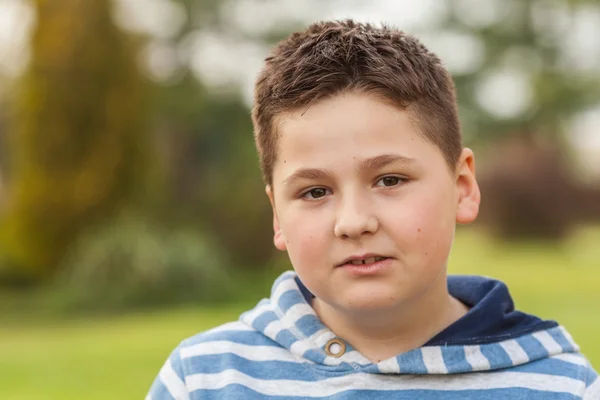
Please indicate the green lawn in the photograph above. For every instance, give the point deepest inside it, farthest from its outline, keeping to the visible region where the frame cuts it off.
(99, 358)
(118, 357)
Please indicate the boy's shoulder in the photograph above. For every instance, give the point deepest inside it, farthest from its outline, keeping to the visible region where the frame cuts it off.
(234, 337)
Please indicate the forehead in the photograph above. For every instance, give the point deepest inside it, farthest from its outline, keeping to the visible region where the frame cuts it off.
(349, 125)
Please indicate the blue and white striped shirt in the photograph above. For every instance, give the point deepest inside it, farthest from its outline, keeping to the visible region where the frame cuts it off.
(278, 350)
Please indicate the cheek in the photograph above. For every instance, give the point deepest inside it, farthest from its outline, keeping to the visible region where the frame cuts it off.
(306, 239)
(425, 224)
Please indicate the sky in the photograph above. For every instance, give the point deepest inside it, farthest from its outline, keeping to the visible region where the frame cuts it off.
(216, 58)
(15, 23)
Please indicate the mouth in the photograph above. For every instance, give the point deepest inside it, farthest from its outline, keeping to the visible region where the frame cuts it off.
(363, 260)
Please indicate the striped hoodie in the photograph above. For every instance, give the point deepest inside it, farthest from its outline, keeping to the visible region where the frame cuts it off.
(281, 350)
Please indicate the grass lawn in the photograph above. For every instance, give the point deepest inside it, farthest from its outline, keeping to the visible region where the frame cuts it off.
(118, 357)
(97, 358)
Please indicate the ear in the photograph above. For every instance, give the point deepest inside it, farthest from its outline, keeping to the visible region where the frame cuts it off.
(469, 196)
(278, 238)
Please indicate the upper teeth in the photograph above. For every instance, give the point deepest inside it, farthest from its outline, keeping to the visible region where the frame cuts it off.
(369, 260)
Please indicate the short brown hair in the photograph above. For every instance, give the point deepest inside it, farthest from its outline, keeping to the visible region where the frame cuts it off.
(332, 57)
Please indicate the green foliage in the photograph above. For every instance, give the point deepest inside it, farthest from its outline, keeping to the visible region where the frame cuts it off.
(214, 175)
(525, 193)
(528, 36)
(78, 148)
(132, 262)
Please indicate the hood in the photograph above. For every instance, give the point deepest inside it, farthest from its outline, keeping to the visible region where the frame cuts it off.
(491, 336)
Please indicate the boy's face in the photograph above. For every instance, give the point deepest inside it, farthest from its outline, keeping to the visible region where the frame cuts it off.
(355, 179)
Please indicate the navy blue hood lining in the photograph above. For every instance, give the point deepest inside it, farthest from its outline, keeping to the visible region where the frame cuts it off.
(492, 316)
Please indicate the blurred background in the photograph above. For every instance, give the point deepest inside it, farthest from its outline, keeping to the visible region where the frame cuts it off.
(132, 212)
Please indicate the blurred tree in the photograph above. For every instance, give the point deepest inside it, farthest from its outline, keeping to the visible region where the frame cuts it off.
(214, 176)
(529, 49)
(79, 150)
(213, 170)
(533, 194)
(526, 80)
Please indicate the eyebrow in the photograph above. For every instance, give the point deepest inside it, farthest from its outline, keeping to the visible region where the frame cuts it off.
(308, 174)
(372, 163)
(384, 160)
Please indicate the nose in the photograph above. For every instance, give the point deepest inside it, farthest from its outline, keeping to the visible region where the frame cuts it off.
(355, 218)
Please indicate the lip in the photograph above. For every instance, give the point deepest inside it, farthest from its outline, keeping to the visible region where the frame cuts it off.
(378, 267)
(346, 262)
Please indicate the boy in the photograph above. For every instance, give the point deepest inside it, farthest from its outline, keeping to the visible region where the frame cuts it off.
(360, 148)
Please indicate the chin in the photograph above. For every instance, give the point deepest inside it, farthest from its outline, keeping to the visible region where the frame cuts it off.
(371, 301)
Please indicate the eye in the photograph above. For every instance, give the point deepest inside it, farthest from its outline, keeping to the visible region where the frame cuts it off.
(315, 193)
(390, 181)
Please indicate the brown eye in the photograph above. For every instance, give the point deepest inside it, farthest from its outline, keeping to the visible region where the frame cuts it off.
(315, 193)
(390, 181)
(318, 192)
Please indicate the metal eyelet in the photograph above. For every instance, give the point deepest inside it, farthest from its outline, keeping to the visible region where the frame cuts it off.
(335, 348)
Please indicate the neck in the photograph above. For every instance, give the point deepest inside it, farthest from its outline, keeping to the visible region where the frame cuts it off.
(379, 335)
